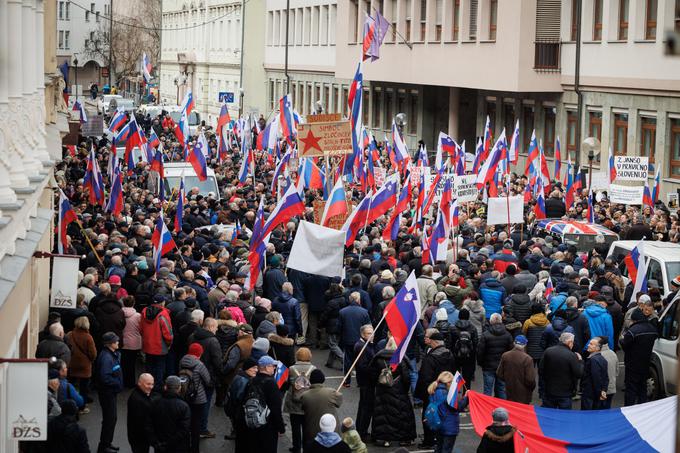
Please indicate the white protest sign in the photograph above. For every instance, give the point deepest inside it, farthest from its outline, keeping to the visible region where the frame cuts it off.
(379, 175)
(497, 212)
(631, 168)
(600, 181)
(25, 394)
(318, 250)
(64, 281)
(415, 175)
(465, 188)
(625, 194)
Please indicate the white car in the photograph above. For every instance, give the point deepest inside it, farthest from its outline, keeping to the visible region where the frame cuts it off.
(105, 101)
(663, 260)
(663, 367)
(174, 172)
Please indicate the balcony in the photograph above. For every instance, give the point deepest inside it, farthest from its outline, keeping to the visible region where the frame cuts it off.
(547, 56)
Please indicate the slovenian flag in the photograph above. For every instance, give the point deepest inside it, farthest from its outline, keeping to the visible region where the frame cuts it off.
(455, 390)
(402, 315)
(146, 67)
(637, 268)
(281, 375)
(336, 203)
(162, 241)
(66, 216)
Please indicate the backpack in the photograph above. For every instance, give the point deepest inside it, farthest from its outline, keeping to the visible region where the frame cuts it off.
(301, 382)
(431, 415)
(187, 387)
(255, 410)
(385, 377)
(463, 348)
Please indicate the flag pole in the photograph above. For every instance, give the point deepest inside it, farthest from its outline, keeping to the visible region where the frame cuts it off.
(87, 238)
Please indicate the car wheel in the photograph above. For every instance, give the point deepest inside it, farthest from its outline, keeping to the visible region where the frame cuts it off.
(653, 385)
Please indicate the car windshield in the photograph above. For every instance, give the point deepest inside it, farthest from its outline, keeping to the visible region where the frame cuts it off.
(209, 185)
(672, 270)
(193, 118)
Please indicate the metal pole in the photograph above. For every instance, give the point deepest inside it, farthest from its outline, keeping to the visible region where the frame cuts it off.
(577, 86)
(110, 42)
(240, 77)
(285, 68)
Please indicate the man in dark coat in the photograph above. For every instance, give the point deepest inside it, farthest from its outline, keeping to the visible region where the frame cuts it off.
(516, 369)
(637, 344)
(273, 278)
(595, 380)
(265, 439)
(109, 385)
(560, 369)
(63, 432)
(111, 318)
(578, 322)
(437, 359)
(494, 342)
(211, 358)
(138, 412)
(365, 381)
(639, 230)
(53, 345)
(350, 320)
(170, 420)
(554, 206)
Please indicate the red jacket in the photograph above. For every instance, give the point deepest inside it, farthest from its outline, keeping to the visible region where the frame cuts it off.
(156, 330)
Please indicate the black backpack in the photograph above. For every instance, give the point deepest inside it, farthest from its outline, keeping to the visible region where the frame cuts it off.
(463, 348)
(187, 388)
(255, 410)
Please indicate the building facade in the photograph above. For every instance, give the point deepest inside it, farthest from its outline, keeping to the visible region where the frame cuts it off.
(32, 123)
(77, 31)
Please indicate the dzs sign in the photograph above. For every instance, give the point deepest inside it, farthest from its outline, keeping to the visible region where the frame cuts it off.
(23, 429)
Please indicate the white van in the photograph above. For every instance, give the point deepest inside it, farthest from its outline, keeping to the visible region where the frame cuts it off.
(663, 263)
(173, 174)
(175, 113)
(663, 367)
(105, 101)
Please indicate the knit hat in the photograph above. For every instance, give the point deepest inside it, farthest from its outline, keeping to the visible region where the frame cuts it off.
(261, 344)
(327, 423)
(109, 337)
(52, 374)
(500, 415)
(196, 350)
(249, 363)
(347, 424)
(441, 315)
(317, 377)
(464, 314)
(114, 280)
(173, 382)
(386, 275)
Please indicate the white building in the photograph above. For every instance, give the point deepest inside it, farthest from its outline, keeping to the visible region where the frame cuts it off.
(77, 28)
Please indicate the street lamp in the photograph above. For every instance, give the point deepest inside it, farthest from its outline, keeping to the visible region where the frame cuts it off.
(75, 64)
(241, 93)
(400, 121)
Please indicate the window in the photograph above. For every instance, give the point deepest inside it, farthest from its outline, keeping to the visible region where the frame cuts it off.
(620, 134)
(676, 16)
(670, 325)
(650, 19)
(87, 16)
(393, 19)
(528, 126)
(623, 19)
(439, 13)
(376, 107)
(574, 19)
(354, 21)
(91, 36)
(571, 134)
(648, 139)
(455, 27)
(654, 271)
(473, 20)
(491, 112)
(408, 20)
(364, 105)
(413, 113)
(344, 106)
(327, 98)
(493, 19)
(597, 20)
(509, 119)
(675, 148)
(549, 114)
(308, 99)
(66, 39)
(389, 108)
(92, 7)
(61, 39)
(595, 125)
(423, 19)
(61, 10)
(97, 16)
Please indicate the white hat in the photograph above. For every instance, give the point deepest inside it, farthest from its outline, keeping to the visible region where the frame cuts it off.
(327, 423)
(441, 315)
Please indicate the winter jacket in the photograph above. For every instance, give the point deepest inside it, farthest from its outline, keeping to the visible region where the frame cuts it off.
(354, 442)
(366, 301)
(451, 311)
(315, 286)
(533, 329)
(509, 282)
(612, 367)
(330, 316)
(477, 314)
(520, 307)
(497, 439)
(282, 349)
(512, 325)
(558, 301)
(227, 333)
(351, 318)
(156, 330)
(132, 333)
(212, 352)
(444, 328)
(108, 373)
(53, 346)
(138, 414)
(110, 316)
(595, 377)
(450, 419)
(363, 366)
(171, 424)
(274, 278)
(265, 329)
(434, 362)
(292, 403)
(527, 279)
(579, 323)
(494, 342)
(316, 402)
(83, 353)
(516, 368)
(454, 292)
(68, 392)
(289, 308)
(614, 310)
(493, 295)
(561, 369)
(327, 443)
(637, 344)
(599, 322)
(65, 435)
(551, 334)
(503, 259)
(427, 289)
(201, 377)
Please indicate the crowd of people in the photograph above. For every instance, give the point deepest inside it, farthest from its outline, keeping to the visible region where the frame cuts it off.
(190, 337)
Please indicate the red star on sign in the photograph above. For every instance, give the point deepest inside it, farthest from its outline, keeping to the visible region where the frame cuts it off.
(310, 142)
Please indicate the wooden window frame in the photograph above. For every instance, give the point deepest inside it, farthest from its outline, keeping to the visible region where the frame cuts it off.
(648, 127)
(620, 124)
(455, 19)
(675, 131)
(623, 24)
(597, 19)
(549, 139)
(594, 120)
(650, 23)
(493, 19)
(572, 121)
(526, 139)
(574, 21)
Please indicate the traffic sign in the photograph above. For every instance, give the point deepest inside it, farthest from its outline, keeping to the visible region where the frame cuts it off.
(226, 96)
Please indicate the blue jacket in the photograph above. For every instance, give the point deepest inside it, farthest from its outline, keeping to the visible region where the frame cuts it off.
(600, 322)
(448, 415)
(351, 319)
(68, 392)
(492, 293)
(556, 300)
(450, 311)
(289, 308)
(108, 371)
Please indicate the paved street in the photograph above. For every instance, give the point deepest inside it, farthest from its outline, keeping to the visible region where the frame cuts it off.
(466, 442)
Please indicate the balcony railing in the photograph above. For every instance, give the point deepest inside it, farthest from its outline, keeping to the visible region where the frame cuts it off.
(547, 56)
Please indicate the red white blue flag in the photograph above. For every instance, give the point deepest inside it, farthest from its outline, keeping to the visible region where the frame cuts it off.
(374, 34)
(197, 160)
(455, 390)
(402, 315)
(637, 268)
(336, 203)
(356, 220)
(93, 180)
(289, 206)
(162, 241)
(146, 68)
(115, 204)
(66, 216)
(281, 375)
(179, 209)
(78, 107)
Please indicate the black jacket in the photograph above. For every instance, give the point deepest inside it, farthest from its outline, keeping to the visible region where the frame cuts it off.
(282, 349)
(330, 316)
(637, 343)
(139, 412)
(581, 328)
(170, 422)
(554, 208)
(520, 307)
(494, 342)
(561, 370)
(595, 377)
(110, 316)
(65, 435)
(274, 400)
(497, 439)
(212, 351)
(434, 362)
(363, 366)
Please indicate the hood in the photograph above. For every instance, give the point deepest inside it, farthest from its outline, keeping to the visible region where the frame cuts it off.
(129, 312)
(463, 324)
(152, 311)
(448, 306)
(521, 299)
(572, 314)
(110, 306)
(202, 334)
(273, 338)
(189, 361)
(327, 440)
(497, 329)
(266, 327)
(492, 283)
(595, 311)
(285, 297)
(475, 305)
(559, 324)
(500, 433)
(539, 319)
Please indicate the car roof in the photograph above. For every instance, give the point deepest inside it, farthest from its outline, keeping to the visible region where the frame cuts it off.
(174, 169)
(668, 251)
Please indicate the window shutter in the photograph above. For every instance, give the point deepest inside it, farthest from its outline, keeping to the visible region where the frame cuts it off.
(473, 19)
(548, 20)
